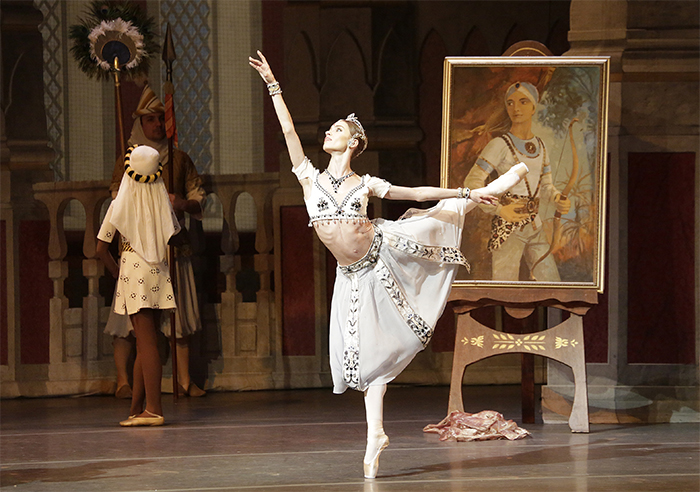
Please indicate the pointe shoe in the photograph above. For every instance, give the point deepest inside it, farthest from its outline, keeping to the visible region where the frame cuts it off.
(372, 467)
(123, 392)
(135, 421)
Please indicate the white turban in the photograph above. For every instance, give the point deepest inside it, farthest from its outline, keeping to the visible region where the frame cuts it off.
(142, 212)
(526, 89)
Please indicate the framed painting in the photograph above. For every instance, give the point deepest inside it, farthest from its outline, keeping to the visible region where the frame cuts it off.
(551, 114)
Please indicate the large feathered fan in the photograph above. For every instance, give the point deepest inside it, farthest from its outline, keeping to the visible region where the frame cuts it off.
(113, 32)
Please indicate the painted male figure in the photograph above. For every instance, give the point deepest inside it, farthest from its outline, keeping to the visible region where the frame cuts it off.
(516, 227)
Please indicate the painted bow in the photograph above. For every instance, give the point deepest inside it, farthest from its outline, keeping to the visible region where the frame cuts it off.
(556, 230)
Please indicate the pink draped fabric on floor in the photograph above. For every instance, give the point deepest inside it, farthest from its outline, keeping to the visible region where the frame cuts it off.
(483, 426)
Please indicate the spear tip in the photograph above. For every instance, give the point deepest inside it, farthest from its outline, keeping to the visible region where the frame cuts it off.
(168, 46)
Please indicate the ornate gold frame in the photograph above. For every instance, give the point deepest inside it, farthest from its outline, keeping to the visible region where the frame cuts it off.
(474, 85)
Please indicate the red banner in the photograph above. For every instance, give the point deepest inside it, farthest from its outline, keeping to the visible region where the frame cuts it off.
(170, 127)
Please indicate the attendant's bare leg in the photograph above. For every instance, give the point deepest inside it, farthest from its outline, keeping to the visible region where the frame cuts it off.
(376, 438)
(138, 390)
(183, 368)
(147, 360)
(122, 352)
(183, 361)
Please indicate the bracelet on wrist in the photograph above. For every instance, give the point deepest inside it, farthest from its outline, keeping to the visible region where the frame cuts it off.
(273, 88)
(463, 193)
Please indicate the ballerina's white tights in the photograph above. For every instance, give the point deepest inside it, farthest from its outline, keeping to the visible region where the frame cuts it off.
(376, 438)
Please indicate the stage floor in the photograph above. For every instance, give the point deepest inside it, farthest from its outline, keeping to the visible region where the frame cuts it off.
(312, 440)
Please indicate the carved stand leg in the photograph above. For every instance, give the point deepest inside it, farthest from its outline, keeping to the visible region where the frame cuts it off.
(563, 343)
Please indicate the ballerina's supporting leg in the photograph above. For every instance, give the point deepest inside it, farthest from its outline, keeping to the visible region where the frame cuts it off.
(377, 440)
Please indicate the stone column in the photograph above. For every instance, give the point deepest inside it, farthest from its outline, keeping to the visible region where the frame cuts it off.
(653, 48)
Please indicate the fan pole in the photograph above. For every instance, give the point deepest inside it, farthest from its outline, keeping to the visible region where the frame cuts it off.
(118, 99)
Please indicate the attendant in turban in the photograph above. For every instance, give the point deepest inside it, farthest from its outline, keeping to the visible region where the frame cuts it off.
(188, 196)
(145, 220)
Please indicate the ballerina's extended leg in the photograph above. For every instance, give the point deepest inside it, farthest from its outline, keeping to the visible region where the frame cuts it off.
(377, 440)
(507, 180)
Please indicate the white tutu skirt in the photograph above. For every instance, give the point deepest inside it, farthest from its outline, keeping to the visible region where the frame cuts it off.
(385, 306)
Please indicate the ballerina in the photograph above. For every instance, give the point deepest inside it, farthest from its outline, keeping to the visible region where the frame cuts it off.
(393, 277)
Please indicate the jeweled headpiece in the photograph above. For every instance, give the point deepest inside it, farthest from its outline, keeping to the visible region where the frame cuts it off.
(525, 88)
(360, 134)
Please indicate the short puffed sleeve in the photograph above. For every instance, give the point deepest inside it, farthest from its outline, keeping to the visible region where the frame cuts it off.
(377, 186)
(304, 170)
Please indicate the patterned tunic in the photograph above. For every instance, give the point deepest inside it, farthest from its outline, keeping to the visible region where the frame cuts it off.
(141, 284)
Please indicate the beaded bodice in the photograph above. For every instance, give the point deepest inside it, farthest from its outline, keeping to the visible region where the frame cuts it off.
(323, 204)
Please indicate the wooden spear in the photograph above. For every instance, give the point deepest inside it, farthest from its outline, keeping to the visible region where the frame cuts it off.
(169, 90)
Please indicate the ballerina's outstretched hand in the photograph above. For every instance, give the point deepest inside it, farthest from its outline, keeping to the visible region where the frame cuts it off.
(262, 67)
(294, 147)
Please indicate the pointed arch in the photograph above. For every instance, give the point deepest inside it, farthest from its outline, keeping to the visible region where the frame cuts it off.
(302, 82)
(515, 35)
(345, 89)
(432, 54)
(395, 90)
(475, 44)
